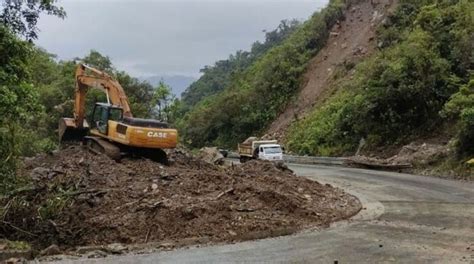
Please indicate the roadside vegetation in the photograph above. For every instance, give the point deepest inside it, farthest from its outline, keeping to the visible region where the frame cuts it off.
(420, 80)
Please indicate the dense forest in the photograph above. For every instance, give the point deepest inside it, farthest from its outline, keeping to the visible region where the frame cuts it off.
(36, 89)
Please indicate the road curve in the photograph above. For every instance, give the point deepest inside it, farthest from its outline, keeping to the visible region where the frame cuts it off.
(406, 219)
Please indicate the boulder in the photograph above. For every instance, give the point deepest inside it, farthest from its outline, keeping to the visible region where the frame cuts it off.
(211, 155)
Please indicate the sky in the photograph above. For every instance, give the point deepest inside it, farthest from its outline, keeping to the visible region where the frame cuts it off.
(165, 37)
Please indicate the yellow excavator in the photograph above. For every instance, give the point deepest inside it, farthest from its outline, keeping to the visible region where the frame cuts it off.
(113, 130)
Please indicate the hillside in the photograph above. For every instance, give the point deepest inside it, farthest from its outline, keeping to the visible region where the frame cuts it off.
(365, 77)
(350, 41)
(243, 102)
(410, 102)
(219, 76)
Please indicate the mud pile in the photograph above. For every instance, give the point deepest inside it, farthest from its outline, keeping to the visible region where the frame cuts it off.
(79, 198)
(413, 155)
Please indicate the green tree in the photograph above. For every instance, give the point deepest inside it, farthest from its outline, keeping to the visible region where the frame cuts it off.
(97, 60)
(18, 104)
(21, 16)
(460, 108)
(14, 57)
(162, 98)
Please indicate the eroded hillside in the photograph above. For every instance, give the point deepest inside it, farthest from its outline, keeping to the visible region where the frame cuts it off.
(350, 40)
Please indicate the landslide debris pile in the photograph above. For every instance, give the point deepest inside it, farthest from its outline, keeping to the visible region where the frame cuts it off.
(79, 198)
(409, 156)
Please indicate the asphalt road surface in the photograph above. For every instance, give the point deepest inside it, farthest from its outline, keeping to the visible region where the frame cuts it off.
(406, 219)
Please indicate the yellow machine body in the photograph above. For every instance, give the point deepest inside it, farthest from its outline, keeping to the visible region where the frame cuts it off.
(142, 137)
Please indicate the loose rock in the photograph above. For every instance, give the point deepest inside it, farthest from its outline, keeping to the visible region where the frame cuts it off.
(51, 250)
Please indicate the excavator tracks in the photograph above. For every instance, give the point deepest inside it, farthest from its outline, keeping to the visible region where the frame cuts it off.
(101, 146)
(98, 145)
(157, 155)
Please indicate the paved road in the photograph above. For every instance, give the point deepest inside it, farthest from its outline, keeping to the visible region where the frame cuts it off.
(407, 219)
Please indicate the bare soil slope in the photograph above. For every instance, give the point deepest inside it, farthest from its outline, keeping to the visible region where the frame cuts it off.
(350, 41)
(84, 199)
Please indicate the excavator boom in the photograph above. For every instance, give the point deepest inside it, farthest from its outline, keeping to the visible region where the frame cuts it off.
(102, 81)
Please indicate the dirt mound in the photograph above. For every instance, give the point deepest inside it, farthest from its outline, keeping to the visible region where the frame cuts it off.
(350, 40)
(409, 156)
(79, 198)
(420, 154)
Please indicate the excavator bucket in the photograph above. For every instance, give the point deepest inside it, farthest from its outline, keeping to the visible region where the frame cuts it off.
(68, 131)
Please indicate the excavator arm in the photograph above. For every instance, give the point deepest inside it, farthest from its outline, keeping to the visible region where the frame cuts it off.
(89, 77)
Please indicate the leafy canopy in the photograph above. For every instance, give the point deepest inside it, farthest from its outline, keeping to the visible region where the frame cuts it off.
(21, 16)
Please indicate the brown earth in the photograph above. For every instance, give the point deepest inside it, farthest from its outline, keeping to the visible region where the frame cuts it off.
(349, 42)
(78, 198)
(429, 157)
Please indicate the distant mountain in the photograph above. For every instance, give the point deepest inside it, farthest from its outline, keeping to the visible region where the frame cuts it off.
(178, 83)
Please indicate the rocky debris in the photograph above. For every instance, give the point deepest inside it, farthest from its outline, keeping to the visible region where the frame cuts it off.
(375, 163)
(116, 248)
(377, 18)
(51, 250)
(420, 154)
(92, 201)
(16, 261)
(39, 173)
(96, 254)
(14, 251)
(211, 155)
(359, 51)
(414, 154)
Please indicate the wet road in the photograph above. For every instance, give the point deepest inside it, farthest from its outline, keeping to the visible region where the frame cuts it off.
(406, 219)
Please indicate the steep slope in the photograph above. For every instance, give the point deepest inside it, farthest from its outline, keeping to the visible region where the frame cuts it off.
(415, 88)
(351, 40)
(254, 96)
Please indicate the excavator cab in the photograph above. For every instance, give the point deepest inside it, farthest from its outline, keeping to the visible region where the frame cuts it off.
(101, 115)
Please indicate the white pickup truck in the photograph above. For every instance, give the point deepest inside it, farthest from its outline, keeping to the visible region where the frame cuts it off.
(260, 149)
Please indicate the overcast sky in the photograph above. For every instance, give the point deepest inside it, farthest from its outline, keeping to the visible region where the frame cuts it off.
(158, 37)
